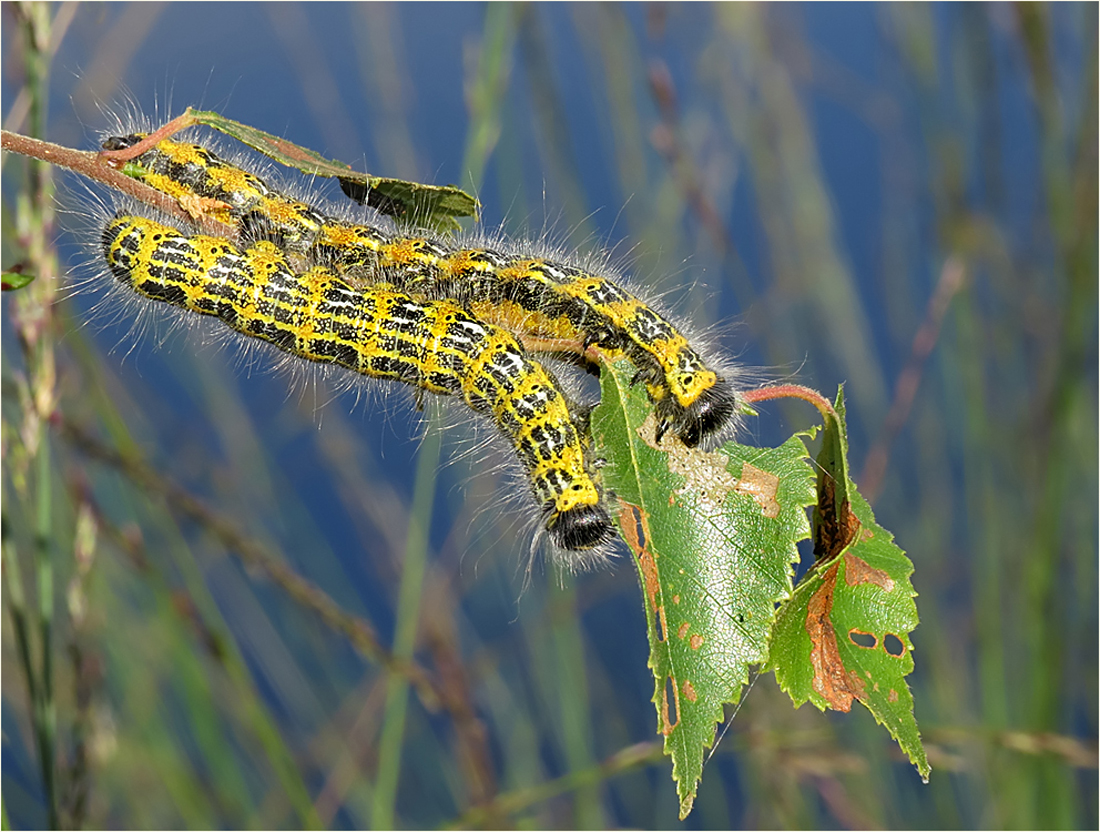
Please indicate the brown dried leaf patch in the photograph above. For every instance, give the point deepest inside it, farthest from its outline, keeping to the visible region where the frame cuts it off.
(838, 685)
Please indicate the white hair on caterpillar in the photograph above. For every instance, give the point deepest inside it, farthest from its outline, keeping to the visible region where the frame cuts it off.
(597, 262)
(575, 525)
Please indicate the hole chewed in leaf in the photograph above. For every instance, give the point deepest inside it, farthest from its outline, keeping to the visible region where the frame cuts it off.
(862, 639)
(831, 620)
(894, 645)
(831, 679)
(670, 702)
(635, 533)
(661, 624)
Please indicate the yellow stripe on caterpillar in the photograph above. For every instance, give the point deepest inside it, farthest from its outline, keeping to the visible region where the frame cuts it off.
(381, 333)
(534, 298)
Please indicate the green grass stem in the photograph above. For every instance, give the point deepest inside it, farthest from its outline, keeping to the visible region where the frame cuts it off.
(408, 617)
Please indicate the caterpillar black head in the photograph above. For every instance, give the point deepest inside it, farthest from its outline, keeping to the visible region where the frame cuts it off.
(581, 528)
(121, 142)
(707, 416)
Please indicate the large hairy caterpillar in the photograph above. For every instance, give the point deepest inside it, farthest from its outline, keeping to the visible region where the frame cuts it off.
(382, 333)
(532, 297)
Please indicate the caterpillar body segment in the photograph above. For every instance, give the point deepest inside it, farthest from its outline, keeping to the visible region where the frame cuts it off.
(232, 195)
(382, 333)
(531, 297)
(543, 299)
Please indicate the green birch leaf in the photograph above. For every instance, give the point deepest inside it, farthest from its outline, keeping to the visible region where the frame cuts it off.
(844, 634)
(434, 206)
(714, 538)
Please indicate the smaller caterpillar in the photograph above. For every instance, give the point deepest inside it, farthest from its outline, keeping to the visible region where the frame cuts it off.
(531, 297)
(202, 181)
(381, 333)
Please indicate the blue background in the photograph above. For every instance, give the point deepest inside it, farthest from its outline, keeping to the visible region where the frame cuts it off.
(845, 153)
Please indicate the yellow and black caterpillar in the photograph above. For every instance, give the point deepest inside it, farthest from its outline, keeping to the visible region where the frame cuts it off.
(532, 297)
(380, 332)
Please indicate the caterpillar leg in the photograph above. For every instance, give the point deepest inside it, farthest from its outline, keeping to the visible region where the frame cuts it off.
(382, 333)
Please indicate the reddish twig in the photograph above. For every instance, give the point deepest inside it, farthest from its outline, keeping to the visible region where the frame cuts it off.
(125, 154)
(905, 391)
(791, 391)
(665, 138)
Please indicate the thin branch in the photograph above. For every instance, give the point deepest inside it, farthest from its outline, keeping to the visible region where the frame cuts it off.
(100, 168)
(791, 391)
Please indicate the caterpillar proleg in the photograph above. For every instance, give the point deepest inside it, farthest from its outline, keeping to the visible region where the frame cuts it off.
(532, 297)
(380, 332)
